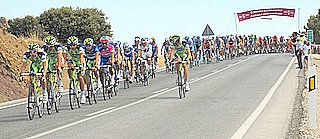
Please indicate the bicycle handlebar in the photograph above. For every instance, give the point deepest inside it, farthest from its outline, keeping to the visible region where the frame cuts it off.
(179, 62)
(71, 68)
(31, 74)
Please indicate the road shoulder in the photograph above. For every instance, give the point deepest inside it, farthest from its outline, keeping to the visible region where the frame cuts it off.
(274, 119)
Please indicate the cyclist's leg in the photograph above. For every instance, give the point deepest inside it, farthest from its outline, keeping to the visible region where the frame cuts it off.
(186, 73)
(38, 69)
(90, 64)
(177, 59)
(131, 67)
(149, 61)
(144, 56)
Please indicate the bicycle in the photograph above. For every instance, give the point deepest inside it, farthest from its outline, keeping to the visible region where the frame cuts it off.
(153, 67)
(91, 83)
(116, 82)
(105, 78)
(206, 57)
(74, 97)
(181, 82)
(137, 71)
(53, 95)
(35, 102)
(126, 73)
(145, 76)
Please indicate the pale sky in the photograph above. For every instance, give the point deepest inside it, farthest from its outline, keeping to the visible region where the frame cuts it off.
(162, 18)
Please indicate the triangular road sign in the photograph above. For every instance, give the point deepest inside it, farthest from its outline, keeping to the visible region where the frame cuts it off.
(207, 31)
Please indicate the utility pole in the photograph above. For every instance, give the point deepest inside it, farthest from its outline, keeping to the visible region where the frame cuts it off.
(298, 19)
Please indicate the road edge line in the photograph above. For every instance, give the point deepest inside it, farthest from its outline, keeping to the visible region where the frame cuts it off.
(254, 115)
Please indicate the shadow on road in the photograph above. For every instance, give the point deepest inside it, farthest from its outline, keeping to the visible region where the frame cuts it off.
(14, 118)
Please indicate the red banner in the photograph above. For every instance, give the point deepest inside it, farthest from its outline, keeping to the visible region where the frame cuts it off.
(265, 12)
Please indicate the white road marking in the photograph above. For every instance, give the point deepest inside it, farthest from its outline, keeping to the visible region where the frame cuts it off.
(17, 104)
(164, 89)
(22, 101)
(214, 70)
(91, 114)
(246, 125)
(128, 105)
(193, 79)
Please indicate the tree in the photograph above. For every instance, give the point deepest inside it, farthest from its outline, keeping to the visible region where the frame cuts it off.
(27, 26)
(314, 24)
(82, 23)
(63, 22)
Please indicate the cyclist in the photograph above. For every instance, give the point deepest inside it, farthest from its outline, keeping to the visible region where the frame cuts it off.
(54, 53)
(206, 48)
(218, 47)
(154, 51)
(107, 55)
(180, 52)
(136, 44)
(39, 62)
(128, 52)
(92, 58)
(197, 48)
(75, 57)
(145, 52)
(118, 58)
(190, 46)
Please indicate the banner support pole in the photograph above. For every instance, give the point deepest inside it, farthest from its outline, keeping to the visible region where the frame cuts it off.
(235, 21)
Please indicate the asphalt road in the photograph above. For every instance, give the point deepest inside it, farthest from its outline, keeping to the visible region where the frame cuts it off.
(222, 97)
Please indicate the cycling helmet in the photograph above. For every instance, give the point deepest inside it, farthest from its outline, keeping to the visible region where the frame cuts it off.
(104, 39)
(118, 43)
(198, 37)
(72, 40)
(184, 42)
(126, 45)
(50, 40)
(33, 46)
(175, 38)
(144, 40)
(88, 41)
(151, 41)
(186, 38)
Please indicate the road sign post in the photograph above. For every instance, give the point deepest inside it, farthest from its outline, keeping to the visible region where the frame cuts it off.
(310, 35)
(312, 81)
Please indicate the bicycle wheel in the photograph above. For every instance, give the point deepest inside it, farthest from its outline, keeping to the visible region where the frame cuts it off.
(116, 89)
(40, 106)
(50, 97)
(183, 87)
(109, 89)
(125, 77)
(167, 68)
(179, 85)
(31, 102)
(104, 88)
(89, 91)
(153, 71)
(72, 95)
(94, 91)
(57, 101)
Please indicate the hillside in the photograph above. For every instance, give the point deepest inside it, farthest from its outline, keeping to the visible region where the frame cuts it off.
(11, 53)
